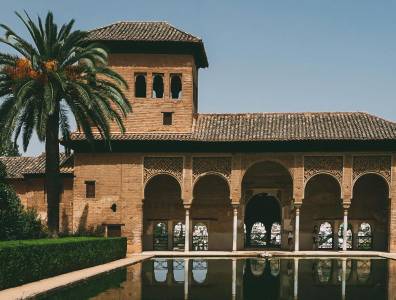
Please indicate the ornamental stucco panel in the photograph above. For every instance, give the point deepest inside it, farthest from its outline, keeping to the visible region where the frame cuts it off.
(163, 165)
(314, 165)
(380, 165)
(212, 165)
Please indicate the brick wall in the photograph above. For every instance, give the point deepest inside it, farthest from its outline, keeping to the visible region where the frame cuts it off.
(147, 112)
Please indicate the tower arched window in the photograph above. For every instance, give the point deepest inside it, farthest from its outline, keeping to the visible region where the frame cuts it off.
(176, 86)
(140, 86)
(158, 86)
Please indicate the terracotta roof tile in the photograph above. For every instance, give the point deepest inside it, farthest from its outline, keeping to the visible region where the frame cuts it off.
(141, 31)
(18, 166)
(275, 127)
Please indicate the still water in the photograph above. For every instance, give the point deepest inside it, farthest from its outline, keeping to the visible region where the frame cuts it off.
(250, 278)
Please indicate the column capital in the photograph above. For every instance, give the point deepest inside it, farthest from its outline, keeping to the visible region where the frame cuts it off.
(187, 206)
(235, 205)
(346, 206)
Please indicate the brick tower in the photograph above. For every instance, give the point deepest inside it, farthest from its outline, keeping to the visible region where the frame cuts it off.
(160, 64)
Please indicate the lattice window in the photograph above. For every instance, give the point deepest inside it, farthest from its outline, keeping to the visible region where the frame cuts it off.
(163, 165)
(314, 165)
(219, 165)
(372, 164)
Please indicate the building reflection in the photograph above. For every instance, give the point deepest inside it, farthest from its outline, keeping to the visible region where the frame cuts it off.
(188, 278)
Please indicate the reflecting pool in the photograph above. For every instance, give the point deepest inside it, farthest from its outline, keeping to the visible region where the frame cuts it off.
(250, 278)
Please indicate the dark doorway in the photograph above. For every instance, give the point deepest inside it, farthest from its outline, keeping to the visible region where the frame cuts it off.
(262, 221)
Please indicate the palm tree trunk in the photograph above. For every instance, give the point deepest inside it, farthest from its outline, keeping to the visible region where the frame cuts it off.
(52, 174)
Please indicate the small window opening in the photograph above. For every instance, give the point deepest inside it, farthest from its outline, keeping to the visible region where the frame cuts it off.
(176, 86)
(167, 118)
(113, 207)
(140, 86)
(158, 86)
(90, 189)
(113, 230)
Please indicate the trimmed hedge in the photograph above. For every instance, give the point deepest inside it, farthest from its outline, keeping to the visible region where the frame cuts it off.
(26, 261)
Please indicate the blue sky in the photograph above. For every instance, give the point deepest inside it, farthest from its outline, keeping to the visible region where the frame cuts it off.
(265, 55)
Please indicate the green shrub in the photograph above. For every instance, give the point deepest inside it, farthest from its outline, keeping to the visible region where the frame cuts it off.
(16, 223)
(31, 260)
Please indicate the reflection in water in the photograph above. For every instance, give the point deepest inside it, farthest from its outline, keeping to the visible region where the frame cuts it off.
(247, 279)
(324, 270)
(257, 266)
(199, 270)
(363, 270)
(160, 268)
(178, 270)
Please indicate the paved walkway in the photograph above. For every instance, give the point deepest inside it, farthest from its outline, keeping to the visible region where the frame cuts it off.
(38, 287)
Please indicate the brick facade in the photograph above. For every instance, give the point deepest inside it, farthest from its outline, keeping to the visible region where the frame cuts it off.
(134, 189)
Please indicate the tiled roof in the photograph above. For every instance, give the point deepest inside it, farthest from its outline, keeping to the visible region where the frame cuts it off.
(141, 31)
(275, 127)
(18, 166)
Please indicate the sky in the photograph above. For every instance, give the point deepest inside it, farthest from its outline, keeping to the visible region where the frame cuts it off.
(264, 56)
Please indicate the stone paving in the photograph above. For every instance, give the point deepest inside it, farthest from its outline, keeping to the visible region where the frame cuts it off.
(42, 286)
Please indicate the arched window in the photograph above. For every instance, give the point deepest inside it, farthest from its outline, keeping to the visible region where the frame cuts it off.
(258, 235)
(363, 270)
(140, 86)
(323, 270)
(160, 236)
(365, 236)
(199, 270)
(160, 269)
(257, 266)
(158, 86)
(176, 86)
(275, 266)
(200, 237)
(325, 236)
(179, 233)
(341, 236)
(276, 234)
(178, 270)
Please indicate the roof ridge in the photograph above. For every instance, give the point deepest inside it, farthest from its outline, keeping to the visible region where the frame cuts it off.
(285, 113)
(119, 22)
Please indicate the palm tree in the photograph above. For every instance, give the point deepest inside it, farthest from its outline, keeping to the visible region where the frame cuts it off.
(56, 75)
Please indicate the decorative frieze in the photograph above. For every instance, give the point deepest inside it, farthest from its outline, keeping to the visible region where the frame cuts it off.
(332, 165)
(380, 165)
(214, 165)
(163, 165)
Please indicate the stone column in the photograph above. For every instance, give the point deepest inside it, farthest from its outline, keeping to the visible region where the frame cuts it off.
(297, 228)
(235, 228)
(187, 229)
(345, 229)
